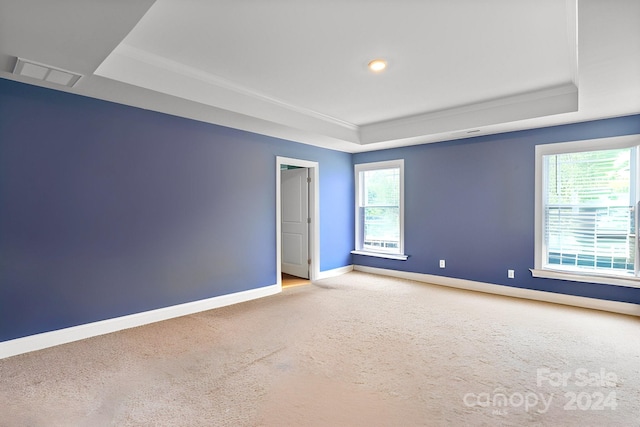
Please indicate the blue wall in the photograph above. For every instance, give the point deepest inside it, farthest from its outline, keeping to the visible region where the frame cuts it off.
(471, 202)
(108, 210)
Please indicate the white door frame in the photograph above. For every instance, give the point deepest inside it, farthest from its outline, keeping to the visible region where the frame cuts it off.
(314, 214)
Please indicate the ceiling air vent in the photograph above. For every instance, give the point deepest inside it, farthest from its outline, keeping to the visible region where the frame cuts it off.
(46, 73)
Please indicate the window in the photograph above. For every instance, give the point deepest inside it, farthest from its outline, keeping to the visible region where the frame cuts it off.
(586, 211)
(379, 209)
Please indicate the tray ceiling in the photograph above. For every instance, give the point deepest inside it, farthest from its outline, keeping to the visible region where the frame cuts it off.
(298, 69)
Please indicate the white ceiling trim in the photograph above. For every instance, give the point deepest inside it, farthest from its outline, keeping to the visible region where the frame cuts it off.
(545, 102)
(192, 72)
(147, 69)
(141, 68)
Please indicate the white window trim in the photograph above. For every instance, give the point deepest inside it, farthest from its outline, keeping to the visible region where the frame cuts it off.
(362, 167)
(539, 269)
(401, 257)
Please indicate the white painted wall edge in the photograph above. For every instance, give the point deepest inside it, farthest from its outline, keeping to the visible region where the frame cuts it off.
(576, 301)
(335, 272)
(88, 330)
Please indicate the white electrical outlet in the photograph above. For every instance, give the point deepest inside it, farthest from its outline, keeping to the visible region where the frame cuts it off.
(511, 274)
(441, 263)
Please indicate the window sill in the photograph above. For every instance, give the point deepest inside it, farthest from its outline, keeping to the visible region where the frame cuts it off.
(586, 278)
(400, 257)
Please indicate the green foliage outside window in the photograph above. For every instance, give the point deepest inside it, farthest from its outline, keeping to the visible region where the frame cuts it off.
(381, 208)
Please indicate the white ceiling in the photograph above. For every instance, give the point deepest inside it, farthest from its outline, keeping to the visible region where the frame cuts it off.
(296, 69)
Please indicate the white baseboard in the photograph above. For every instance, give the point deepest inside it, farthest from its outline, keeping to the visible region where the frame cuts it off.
(584, 302)
(75, 333)
(88, 330)
(335, 272)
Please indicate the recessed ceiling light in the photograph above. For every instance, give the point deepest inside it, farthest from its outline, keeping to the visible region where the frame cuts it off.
(377, 65)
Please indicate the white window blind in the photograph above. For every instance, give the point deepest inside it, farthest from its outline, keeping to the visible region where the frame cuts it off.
(589, 213)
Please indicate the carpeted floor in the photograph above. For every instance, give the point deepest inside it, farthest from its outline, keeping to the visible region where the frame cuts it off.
(355, 350)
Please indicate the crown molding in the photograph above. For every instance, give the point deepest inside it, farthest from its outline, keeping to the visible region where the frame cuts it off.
(148, 70)
(544, 102)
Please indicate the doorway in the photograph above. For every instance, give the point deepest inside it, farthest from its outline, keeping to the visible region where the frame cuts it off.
(297, 220)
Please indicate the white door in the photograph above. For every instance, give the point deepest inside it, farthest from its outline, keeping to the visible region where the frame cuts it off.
(295, 221)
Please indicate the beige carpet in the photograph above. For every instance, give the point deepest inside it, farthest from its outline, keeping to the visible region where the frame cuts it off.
(356, 350)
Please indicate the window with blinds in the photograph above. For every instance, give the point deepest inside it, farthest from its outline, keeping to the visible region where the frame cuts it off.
(379, 208)
(589, 210)
(586, 199)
